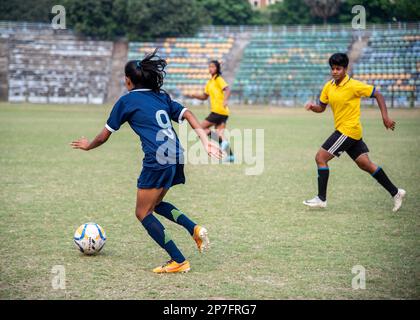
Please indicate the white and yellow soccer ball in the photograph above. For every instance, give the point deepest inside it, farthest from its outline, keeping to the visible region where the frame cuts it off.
(90, 238)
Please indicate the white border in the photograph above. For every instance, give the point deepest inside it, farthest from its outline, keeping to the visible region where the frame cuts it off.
(180, 119)
(109, 128)
(134, 90)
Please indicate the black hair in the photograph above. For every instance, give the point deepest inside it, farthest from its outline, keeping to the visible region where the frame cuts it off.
(218, 68)
(147, 73)
(339, 59)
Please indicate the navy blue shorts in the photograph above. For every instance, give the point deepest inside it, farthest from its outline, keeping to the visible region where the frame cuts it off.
(161, 178)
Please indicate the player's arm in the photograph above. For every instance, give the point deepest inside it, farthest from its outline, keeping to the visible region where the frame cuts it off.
(317, 108)
(388, 122)
(200, 96)
(84, 144)
(227, 92)
(212, 148)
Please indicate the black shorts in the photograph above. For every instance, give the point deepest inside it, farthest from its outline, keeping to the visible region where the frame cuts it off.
(217, 118)
(337, 143)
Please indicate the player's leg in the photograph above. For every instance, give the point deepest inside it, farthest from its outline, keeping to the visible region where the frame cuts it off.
(146, 201)
(224, 144)
(322, 158)
(169, 211)
(172, 213)
(333, 146)
(206, 125)
(360, 156)
(220, 130)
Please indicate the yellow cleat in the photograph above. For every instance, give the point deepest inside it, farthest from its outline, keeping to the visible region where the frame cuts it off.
(173, 267)
(201, 238)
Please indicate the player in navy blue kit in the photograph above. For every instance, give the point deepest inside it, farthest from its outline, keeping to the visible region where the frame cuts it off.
(150, 111)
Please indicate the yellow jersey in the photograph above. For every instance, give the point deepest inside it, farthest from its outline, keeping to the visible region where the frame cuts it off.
(344, 100)
(214, 89)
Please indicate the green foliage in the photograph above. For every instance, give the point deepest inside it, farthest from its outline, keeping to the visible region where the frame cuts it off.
(26, 10)
(324, 9)
(229, 12)
(407, 10)
(291, 12)
(261, 17)
(92, 17)
(382, 11)
(377, 11)
(135, 19)
(149, 19)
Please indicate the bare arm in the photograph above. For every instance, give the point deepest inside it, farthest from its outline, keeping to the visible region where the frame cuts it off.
(211, 148)
(315, 107)
(227, 95)
(388, 122)
(200, 96)
(84, 144)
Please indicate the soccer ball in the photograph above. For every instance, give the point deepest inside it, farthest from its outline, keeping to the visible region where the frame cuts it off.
(90, 238)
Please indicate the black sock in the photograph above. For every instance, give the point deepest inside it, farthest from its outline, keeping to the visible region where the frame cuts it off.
(323, 174)
(157, 231)
(383, 179)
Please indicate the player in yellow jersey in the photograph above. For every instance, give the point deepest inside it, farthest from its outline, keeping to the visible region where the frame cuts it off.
(343, 94)
(218, 91)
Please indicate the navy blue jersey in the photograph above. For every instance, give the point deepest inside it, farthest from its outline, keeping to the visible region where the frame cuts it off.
(149, 114)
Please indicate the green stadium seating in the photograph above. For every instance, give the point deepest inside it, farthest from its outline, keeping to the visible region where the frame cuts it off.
(287, 67)
(391, 61)
(187, 58)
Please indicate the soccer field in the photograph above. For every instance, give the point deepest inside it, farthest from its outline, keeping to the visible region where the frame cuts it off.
(265, 243)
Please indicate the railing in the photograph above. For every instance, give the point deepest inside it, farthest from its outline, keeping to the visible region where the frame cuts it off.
(33, 27)
(309, 28)
(37, 26)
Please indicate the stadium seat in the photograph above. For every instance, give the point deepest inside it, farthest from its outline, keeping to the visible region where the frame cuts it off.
(391, 62)
(58, 68)
(290, 67)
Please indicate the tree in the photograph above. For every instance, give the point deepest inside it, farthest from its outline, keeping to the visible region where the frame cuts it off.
(135, 19)
(407, 10)
(93, 18)
(260, 17)
(290, 12)
(382, 11)
(324, 8)
(228, 12)
(149, 19)
(26, 10)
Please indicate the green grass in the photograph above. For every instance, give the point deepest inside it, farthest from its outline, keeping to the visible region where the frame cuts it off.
(265, 243)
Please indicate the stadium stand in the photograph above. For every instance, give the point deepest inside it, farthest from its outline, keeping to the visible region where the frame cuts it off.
(391, 61)
(287, 66)
(46, 67)
(4, 67)
(282, 65)
(187, 58)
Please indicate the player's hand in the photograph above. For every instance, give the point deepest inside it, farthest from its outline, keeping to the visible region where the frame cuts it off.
(389, 123)
(213, 150)
(309, 106)
(82, 143)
